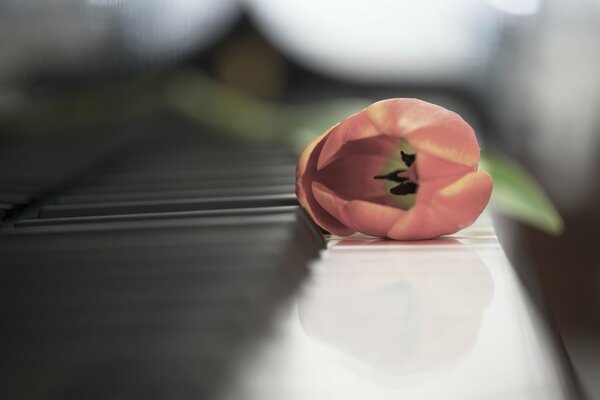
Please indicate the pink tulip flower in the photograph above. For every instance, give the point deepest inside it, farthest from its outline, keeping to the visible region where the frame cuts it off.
(401, 168)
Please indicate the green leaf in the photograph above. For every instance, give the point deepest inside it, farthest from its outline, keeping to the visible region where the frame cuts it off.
(305, 122)
(517, 195)
(209, 102)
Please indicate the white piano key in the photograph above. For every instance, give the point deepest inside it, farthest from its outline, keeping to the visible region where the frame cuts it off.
(444, 319)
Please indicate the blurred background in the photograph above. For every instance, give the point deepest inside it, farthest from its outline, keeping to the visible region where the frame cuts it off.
(523, 73)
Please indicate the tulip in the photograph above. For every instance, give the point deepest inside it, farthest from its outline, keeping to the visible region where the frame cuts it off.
(403, 169)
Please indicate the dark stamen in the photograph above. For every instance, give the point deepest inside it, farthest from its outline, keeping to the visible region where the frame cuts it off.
(408, 159)
(393, 176)
(404, 188)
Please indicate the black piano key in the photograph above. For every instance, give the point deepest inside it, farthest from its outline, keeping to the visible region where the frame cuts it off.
(210, 231)
(175, 194)
(123, 230)
(146, 276)
(150, 164)
(194, 184)
(310, 232)
(112, 208)
(166, 306)
(4, 209)
(20, 189)
(23, 223)
(14, 198)
(238, 171)
(31, 171)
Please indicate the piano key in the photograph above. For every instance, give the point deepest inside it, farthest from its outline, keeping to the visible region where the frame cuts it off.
(153, 227)
(300, 244)
(4, 209)
(147, 281)
(178, 162)
(30, 171)
(14, 198)
(304, 221)
(89, 295)
(175, 194)
(170, 257)
(195, 184)
(20, 189)
(240, 172)
(23, 223)
(112, 208)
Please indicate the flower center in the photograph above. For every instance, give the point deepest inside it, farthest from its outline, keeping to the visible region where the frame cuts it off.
(406, 185)
(402, 181)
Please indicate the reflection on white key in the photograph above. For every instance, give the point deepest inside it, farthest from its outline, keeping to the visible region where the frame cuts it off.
(442, 319)
(403, 314)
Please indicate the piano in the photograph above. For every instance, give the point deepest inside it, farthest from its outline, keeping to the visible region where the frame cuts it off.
(165, 261)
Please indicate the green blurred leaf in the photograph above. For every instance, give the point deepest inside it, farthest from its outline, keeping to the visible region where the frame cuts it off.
(216, 104)
(517, 195)
(305, 122)
(212, 103)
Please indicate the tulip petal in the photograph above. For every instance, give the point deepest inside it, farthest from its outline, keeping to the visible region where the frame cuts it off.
(464, 200)
(301, 171)
(446, 206)
(355, 127)
(428, 128)
(397, 117)
(332, 203)
(306, 171)
(430, 167)
(420, 223)
(302, 164)
(450, 138)
(372, 218)
(428, 189)
(352, 176)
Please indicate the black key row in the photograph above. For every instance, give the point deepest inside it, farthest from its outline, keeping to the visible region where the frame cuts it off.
(31, 170)
(147, 293)
(150, 275)
(178, 172)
